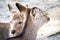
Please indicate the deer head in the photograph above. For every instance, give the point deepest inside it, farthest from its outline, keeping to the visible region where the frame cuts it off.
(18, 19)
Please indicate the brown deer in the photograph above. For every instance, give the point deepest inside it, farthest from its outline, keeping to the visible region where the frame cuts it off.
(25, 22)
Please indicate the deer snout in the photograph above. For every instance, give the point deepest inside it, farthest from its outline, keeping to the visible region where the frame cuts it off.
(46, 17)
(13, 31)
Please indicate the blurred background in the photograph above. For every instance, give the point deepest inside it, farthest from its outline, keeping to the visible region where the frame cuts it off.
(42, 4)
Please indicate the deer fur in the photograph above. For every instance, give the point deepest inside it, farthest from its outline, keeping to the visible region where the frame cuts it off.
(53, 26)
(35, 21)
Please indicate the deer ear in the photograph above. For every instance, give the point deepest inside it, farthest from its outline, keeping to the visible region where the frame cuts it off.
(35, 12)
(20, 7)
(10, 7)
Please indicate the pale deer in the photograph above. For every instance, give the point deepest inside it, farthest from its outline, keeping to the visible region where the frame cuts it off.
(53, 26)
(26, 22)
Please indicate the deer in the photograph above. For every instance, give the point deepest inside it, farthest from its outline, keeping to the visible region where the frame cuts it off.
(25, 22)
(53, 26)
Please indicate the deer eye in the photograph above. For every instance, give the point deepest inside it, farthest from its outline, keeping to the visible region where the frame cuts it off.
(19, 22)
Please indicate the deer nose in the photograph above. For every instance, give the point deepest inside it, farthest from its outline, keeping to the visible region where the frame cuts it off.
(48, 18)
(13, 31)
